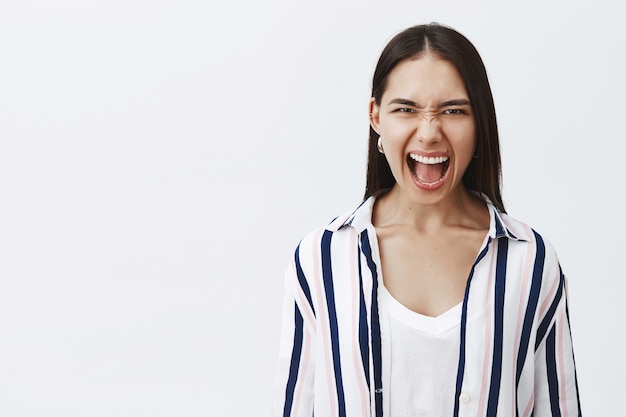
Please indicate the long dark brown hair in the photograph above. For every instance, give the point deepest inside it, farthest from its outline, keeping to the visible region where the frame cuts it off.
(484, 171)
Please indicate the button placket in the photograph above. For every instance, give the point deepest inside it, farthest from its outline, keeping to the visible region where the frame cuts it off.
(464, 398)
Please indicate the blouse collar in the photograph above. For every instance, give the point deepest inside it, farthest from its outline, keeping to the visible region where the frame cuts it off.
(500, 224)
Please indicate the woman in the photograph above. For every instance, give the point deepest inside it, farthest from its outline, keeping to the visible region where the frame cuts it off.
(427, 300)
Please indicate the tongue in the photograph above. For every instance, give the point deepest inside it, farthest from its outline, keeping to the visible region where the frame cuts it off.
(428, 173)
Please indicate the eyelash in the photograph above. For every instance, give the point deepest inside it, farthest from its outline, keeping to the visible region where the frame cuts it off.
(455, 111)
(447, 111)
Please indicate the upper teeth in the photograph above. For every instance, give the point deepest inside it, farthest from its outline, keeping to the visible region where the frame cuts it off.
(430, 160)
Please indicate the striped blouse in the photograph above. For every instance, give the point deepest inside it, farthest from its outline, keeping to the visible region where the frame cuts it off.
(515, 357)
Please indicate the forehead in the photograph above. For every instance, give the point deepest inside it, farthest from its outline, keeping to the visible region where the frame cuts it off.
(425, 79)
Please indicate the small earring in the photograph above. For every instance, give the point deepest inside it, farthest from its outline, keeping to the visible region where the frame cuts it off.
(379, 145)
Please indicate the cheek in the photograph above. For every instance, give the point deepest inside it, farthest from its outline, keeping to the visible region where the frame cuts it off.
(463, 141)
(394, 140)
(396, 131)
(394, 147)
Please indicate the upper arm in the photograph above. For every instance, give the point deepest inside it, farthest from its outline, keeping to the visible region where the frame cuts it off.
(556, 387)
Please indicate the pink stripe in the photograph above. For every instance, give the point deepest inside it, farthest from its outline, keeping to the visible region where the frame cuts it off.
(306, 312)
(324, 325)
(354, 279)
(529, 406)
(549, 297)
(488, 338)
(304, 361)
(522, 232)
(560, 354)
(526, 278)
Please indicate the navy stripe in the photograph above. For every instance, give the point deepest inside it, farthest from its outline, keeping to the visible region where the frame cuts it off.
(498, 329)
(545, 323)
(461, 368)
(327, 274)
(302, 280)
(531, 307)
(553, 381)
(499, 227)
(363, 330)
(376, 341)
(296, 352)
(569, 328)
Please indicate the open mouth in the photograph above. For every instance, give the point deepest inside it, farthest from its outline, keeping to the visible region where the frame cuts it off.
(429, 171)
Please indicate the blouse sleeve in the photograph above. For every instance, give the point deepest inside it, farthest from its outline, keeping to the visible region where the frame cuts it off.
(293, 393)
(556, 387)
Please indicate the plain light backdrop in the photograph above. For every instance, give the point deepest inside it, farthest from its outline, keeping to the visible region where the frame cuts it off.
(160, 160)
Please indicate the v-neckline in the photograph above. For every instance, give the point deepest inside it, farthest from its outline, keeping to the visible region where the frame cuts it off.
(433, 325)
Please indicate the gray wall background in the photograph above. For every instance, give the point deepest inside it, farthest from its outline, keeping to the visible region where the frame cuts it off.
(160, 160)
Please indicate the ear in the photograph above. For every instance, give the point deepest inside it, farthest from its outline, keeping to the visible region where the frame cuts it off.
(374, 115)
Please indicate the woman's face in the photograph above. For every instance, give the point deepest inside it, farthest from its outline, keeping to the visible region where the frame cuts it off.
(427, 128)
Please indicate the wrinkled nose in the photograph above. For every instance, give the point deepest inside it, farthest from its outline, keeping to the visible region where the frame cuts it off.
(429, 131)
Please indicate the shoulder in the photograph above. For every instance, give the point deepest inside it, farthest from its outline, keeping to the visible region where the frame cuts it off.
(338, 234)
(520, 231)
(357, 219)
(532, 253)
(524, 229)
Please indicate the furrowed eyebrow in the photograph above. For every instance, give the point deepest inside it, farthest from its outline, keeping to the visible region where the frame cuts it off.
(407, 102)
(458, 102)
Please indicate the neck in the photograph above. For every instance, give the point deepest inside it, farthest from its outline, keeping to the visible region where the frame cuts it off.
(458, 209)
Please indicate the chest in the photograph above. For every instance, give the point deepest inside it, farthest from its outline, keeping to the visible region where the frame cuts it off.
(428, 273)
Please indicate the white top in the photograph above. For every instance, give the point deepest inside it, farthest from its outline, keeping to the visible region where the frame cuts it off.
(424, 358)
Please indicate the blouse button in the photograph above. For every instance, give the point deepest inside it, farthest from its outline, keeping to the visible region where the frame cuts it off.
(464, 398)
